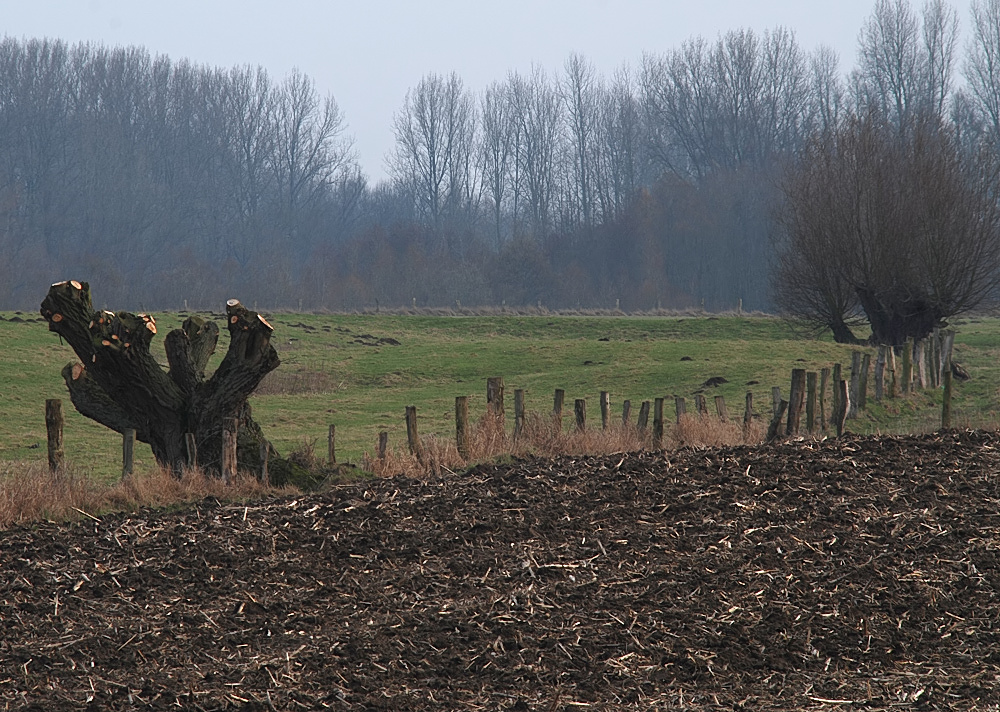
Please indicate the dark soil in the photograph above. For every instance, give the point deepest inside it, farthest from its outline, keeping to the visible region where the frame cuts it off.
(862, 573)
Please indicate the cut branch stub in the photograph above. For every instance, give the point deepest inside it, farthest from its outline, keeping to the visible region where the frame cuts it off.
(188, 350)
(71, 302)
(204, 337)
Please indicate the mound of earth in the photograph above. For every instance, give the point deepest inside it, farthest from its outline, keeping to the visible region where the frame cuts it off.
(861, 573)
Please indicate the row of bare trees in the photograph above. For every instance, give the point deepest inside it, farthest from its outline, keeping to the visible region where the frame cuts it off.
(659, 185)
(136, 169)
(570, 151)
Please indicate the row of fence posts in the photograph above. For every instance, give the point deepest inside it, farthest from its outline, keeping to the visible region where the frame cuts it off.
(923, 364)
(230, 426)
(495, 406)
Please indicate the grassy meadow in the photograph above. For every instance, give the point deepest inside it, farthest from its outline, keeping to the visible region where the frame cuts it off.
(360, 371)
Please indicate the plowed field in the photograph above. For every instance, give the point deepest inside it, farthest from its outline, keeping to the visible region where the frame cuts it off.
(861, 573)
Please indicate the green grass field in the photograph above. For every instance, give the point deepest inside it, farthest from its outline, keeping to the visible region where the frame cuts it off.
(360, 371)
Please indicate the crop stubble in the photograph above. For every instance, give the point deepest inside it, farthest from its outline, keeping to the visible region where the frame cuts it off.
(861, 571)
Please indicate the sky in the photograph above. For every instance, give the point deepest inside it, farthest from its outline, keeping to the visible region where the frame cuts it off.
(368, 53)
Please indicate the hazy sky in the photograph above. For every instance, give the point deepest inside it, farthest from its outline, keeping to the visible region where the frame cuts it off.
(368, 53)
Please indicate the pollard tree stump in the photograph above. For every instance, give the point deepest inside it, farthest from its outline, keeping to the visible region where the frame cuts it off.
(119, 384)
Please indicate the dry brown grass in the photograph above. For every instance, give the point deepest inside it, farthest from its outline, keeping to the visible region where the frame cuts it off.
(706, 431)
(30, 492)
(543, 437)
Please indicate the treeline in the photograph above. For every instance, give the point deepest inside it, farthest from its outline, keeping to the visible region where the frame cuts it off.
(162, 180)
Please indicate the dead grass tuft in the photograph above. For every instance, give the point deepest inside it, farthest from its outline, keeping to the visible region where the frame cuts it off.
(543, 436)
(305, 456)
(705, 431)
(29, 492)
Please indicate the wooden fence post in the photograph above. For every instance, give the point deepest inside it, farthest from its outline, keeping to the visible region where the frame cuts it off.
(605, 410)
(836, 392)
(866, 362)
(462, 426)
(412, 438)
(580, 409)
(796, 398)
(947, 346)
(518, 412)
(128, 451)
(191, 450)
(700, 404)
(843, 400)
(852, 410)
(934, 358)
(331, 445)
(946, 398)
(383, 445)
(824, 379)
(775, 427)
(494, 395)
(720, 409)
(920, 361)
(890, 367)
(557, 407)
(748, 413)
(811, 401)
(880, 374)
(658, 421)
(626, 412)
(907, 379)
(680, 407)
(643, 421)
(230, 432)
(54, 429)
(265, 454)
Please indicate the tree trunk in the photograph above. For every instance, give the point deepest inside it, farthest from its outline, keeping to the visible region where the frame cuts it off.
(842, 333)
(119, 384)
(898, 315)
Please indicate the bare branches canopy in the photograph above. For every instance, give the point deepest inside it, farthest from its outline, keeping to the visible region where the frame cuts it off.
(903, 227)
(656, 185)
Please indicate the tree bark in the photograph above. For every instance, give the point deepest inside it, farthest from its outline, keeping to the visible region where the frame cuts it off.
(842, 333)
(897, 315)
(119, 383)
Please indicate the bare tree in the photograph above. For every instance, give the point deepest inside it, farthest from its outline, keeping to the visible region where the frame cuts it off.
(537, 108)
(619, 147)
(434, 130)
(580, 89)
(784, 94)
(908, 222)
(498, 151)
(738, 80)
(310, 147)
(906, 62)
(982, 62)
(889, 64)
(827, 94)
(811, 279)
(940, 39)
(738, 102)
(680, 100)
(251, 135)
